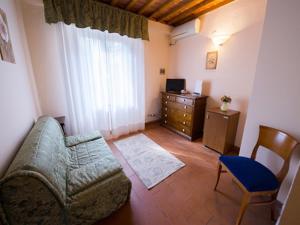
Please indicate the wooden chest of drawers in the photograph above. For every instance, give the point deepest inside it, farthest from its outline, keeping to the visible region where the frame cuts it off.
(183, 114)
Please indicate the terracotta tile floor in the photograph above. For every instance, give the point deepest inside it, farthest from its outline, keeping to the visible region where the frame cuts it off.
(187, 196)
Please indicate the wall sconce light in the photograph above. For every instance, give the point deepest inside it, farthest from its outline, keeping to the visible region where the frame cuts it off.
(220, 39)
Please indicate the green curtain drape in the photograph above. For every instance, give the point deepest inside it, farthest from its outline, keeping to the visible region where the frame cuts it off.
(96, 15)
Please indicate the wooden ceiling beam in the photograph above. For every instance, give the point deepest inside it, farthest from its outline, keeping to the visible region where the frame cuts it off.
(146, 6)
(168, 4)
(190, 11)
(114, 2)
(179, 9)
(131, 4)
(200, 13)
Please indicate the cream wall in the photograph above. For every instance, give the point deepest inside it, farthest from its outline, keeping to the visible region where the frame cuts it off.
(47, 64)
(156, 57)
(275, 95)
(44, 49)
(18, 107)
(237, 57)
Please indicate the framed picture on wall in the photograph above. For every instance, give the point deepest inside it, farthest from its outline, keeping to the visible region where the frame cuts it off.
(211, 60)
(6, 50)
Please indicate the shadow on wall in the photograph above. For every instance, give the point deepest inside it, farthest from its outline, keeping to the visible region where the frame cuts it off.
(206, 90)
(9, 160)
(241, 103)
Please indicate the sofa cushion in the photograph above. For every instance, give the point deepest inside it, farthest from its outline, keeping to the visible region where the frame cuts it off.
(78, 139)
(90, 162)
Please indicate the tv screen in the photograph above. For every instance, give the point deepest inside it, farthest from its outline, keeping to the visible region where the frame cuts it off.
(175, 85)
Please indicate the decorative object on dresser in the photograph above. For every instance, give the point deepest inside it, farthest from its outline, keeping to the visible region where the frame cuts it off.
(220, 129)
(225, 102)
(198, 87)
(184, 114)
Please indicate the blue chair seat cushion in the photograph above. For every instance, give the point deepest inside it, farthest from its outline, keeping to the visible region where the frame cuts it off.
(252, 174)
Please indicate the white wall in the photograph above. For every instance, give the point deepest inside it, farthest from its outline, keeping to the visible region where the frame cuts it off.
(18, 108)
(234, 76)
(43, 44)
(275, 95)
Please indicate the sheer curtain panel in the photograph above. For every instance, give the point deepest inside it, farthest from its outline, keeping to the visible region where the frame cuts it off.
(104, 80)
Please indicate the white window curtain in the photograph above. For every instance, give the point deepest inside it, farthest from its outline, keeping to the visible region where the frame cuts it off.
(104, 79)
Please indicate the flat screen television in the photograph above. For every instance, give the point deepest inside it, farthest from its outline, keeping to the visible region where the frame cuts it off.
(175, 85)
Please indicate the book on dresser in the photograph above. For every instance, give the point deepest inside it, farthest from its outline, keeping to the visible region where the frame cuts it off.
(183, 114)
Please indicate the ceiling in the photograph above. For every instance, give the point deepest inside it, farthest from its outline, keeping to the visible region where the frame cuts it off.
(171, 12)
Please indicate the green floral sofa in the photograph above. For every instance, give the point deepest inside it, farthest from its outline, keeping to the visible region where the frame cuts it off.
(61, 180)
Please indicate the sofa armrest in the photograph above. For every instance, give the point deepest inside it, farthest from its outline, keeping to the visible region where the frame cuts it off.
(78, 139)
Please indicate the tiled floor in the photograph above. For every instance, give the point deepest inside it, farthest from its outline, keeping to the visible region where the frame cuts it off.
(187, 196)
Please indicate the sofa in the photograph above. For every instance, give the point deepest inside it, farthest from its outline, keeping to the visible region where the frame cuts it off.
(56, 180)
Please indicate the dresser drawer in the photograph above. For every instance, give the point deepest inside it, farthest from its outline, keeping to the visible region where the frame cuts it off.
(175, 114)
(185, 122)
(181, 116)
(182, 128)
(177, 126)
(167, 97)
(174, 105)
(185, 101)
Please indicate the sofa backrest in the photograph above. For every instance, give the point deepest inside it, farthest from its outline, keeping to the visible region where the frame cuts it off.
(43, 152)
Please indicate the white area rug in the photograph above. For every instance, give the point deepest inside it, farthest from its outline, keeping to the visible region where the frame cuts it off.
(150, 161)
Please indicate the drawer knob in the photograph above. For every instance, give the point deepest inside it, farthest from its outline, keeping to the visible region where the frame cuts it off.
(166, 102)
(166, 115)
(184, 115)
(168, 96)
(166, 109)
(183, 130)
(184, 100)
(185, 106)
(165, 121)
(183, 122)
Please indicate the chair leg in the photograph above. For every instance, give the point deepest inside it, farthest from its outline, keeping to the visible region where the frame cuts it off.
(245, 203)
(218, 176)
(273, 207)
(273, 212)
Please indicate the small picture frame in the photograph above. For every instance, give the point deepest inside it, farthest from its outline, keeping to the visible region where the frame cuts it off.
(211, 60)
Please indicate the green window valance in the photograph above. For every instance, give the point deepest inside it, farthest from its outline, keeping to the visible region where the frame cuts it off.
(96, 15)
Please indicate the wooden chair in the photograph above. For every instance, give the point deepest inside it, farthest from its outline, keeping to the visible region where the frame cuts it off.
(254, 178)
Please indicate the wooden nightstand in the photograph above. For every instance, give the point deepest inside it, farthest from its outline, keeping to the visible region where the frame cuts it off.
(220, 129)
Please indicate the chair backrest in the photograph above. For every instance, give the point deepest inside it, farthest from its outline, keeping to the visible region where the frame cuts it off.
(280, 143)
